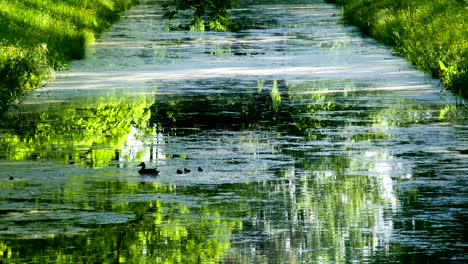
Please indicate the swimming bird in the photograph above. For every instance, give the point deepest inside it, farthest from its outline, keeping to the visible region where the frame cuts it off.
(200, 169)
(186, 170)
(143, 169)
(179, 171)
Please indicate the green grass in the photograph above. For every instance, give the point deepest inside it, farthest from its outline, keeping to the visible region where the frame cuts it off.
(431, 34)
(38, 36)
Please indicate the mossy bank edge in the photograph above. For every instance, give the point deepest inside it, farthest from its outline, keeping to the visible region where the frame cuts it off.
(431, 34)
(40, 36)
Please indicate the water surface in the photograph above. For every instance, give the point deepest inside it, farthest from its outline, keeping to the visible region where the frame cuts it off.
(317, 145)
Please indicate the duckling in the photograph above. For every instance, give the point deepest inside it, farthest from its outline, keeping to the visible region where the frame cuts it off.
(200, 169)
(186, 170)
(143, 170)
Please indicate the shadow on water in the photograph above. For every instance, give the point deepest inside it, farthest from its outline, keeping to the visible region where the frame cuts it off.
(301, 163)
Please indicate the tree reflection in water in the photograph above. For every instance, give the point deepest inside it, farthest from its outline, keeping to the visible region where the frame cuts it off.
(315, 203)
(300, 167)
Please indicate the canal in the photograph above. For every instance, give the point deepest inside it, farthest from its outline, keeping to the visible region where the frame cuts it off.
(315, 145)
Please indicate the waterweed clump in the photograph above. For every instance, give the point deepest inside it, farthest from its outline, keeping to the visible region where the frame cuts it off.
(431, 34)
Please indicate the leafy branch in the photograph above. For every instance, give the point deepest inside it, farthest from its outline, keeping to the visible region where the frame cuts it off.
(215, 12)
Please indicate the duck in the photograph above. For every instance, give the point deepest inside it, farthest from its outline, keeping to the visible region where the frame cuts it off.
(186, 170)
(200, 169)
(179, 171)
(143, 170)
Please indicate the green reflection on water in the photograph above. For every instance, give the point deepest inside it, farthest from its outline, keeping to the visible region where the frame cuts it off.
(162, 223)
(86, 218)
(87, 134)
(318, 157)
(333, 203)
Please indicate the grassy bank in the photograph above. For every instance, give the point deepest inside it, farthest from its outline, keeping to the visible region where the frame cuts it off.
(431, 34)
(39, 36)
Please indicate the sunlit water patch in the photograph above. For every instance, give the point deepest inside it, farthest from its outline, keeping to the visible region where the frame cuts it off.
(305, 143)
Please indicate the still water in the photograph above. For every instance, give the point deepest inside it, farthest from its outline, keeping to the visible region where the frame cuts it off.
(317, 146)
